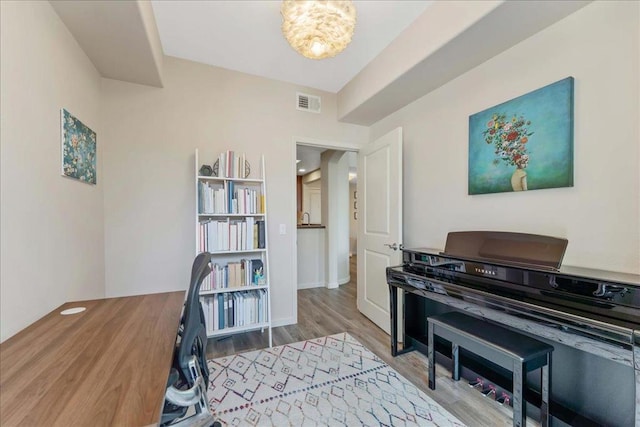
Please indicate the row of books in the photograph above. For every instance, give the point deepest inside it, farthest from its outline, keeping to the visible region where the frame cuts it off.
(229, 235)
(226, 198)
(245, 200)
(231, 165)
(211, 199)
(246, 272)
(230, 310)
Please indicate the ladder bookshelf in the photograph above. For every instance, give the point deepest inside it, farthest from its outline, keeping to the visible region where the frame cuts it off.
(231, 224)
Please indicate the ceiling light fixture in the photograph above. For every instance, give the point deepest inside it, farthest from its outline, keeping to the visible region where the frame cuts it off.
(301, 170)
(318, 29)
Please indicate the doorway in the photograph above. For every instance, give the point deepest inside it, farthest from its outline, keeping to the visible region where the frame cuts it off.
(326, 193)
(379, 198)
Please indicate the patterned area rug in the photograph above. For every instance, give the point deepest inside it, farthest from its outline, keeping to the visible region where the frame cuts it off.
(332, 380)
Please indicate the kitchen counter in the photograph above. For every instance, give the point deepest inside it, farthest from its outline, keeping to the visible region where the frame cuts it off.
(310, 256)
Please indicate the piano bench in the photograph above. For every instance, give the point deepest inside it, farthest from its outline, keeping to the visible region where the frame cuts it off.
(511, 350)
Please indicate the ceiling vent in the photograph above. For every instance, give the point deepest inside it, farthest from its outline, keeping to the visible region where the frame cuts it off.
(308, 103)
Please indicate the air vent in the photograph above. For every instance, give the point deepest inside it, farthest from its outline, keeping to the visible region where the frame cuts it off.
(308, 103)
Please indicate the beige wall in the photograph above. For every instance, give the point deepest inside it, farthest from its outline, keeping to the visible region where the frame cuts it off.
(150, 135)
(599, 46)
(52, 227)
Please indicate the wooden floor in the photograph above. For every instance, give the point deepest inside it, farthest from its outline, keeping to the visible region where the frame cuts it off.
(324, 312)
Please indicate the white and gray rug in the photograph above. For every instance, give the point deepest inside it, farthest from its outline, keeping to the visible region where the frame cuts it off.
(331, 381)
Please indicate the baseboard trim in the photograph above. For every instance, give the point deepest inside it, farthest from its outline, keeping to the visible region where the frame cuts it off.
(310, 285)
(344, 280)
(283, 322)
(332, 285)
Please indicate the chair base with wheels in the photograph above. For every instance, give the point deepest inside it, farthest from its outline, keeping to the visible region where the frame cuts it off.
(178, 401)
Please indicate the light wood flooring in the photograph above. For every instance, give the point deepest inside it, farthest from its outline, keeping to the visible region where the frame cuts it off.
(324, 312)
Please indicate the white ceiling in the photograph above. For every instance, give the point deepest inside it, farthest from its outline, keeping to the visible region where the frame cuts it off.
(245, 36)
(308, 159)
(118, 36)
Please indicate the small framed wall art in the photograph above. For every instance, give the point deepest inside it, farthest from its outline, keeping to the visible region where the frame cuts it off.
(78, 149)
(525, 143)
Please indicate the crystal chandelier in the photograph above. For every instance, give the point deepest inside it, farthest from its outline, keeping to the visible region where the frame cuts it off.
(318, 29)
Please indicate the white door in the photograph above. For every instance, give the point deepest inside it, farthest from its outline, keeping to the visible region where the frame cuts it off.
(380, 223)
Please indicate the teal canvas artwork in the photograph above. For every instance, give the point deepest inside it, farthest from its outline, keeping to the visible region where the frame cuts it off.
(525, 143)
(78, 149)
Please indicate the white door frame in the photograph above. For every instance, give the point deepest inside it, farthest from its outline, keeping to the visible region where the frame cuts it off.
(312, 142)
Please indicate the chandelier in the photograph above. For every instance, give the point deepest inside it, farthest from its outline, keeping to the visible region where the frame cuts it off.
(318, 29)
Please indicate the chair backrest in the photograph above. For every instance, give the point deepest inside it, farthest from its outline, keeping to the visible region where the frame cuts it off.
(194, 335)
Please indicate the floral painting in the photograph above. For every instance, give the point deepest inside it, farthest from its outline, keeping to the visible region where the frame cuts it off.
(78, 149)
(525, 143)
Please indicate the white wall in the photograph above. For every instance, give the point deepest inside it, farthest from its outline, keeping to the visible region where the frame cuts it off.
(52, 247)
(599, 46)
(150, 135)
(335, 208)
(341, 187)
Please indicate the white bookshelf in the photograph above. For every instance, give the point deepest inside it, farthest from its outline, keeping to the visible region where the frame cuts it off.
(248, 251)
(227, 290)
(234, 218)
(239, 329)
(209, 215)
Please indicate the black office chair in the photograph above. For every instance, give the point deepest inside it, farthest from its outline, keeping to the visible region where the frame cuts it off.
(189, 378)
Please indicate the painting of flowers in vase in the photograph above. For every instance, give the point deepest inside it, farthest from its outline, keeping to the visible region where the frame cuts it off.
(525, 143)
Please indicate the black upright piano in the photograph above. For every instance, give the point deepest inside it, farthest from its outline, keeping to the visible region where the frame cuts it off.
(591, 317)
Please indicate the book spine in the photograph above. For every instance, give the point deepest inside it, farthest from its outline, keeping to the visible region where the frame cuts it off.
(211, 303)
(226, 310)
(216, 314)
(261, 234)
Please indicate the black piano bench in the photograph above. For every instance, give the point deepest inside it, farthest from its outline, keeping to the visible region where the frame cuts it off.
(511, 350)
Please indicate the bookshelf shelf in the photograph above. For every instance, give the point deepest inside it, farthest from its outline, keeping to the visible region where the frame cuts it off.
(240, 180)
(238, 329)
(247, 251)
(226, 290)
(231, 224)
(222, 215)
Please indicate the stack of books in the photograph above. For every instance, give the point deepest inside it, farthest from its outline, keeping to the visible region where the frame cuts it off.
(246, 272)
(237, 309)
(231, 165)
(212, 198)
(232, 235)
(229, 198)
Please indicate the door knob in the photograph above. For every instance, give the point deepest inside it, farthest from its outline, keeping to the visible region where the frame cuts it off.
(393, 246)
